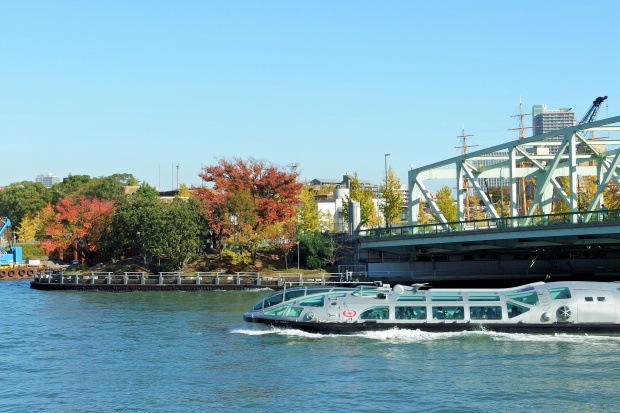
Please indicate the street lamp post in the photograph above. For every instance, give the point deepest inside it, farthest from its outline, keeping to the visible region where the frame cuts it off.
(501, 194)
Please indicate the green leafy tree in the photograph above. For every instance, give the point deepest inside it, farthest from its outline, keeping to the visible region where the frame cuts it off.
(587, 189)
(500, 195)
(30, 228)
(326, 222)
(368, 214)
(69, 187)
(476, 211)
(178, 233)
(392, 198)
(105, 187)
(132, 223)
(423, 217)
(308, 213)
(612, 195)
(317, 248)
(147, 191)
(446, 204)
(166, 234)
(559, 205)
(184, 191)
(242, 214)
(21, 199)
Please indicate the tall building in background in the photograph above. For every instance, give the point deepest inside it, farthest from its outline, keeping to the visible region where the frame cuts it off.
(545, 120)
(47, 179)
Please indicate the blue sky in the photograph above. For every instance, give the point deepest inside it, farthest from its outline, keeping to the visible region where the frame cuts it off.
(103, 87)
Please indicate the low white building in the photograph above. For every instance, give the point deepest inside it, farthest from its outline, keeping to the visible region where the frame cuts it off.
(47, 179)
(330, 211)
(330, 208)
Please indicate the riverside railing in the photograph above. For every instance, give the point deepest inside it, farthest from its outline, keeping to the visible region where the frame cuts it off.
(500, 224)
(198, 278)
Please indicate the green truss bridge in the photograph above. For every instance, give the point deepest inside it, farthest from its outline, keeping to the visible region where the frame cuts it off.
(521, 237)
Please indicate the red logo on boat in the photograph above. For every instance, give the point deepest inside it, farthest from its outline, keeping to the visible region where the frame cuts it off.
(349, 313)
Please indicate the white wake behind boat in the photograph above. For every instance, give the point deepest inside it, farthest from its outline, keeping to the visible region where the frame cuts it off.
(571, 307)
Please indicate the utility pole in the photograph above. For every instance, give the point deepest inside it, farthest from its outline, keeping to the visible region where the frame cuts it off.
(463, 138)
(177, 177)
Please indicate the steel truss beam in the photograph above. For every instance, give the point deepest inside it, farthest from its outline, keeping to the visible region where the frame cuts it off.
(577, 153)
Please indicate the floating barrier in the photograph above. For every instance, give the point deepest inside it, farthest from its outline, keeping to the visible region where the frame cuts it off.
(19, 272)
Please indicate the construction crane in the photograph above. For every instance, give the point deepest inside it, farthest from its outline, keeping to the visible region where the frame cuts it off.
(11, 263)
(591, 115)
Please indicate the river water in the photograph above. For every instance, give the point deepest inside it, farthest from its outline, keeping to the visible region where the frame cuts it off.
(68, 351)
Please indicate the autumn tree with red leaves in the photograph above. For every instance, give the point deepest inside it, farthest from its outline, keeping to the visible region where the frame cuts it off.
(80, 223)
(250, 204)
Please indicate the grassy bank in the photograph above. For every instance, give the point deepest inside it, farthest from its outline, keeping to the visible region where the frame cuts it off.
(32, 251)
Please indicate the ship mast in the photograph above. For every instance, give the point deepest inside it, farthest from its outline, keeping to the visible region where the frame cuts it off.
(523, 180)
(463, 139)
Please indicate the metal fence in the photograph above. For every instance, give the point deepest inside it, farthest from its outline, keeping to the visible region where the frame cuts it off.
(610, 216)
(198, 278)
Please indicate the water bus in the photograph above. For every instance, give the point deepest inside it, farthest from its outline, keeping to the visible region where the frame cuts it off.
(567, 307)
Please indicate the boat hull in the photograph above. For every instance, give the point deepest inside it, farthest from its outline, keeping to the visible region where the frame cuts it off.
(357, 327)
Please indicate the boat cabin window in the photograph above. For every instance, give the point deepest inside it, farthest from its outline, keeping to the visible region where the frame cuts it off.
(292, 294)
(448, 313)
(559, 293)
(589, 299)
(410, 313)
(376, 313)
(482, 296)
(600, 299)
(285, 311)
(515, 309)
(530, 297)
(273, 300)
(336, 295)
(446, 296)
(316, 301)
(294, 312)
(488, 312)
(278, 311)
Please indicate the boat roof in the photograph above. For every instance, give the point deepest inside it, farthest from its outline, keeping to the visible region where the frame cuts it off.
(311, 289)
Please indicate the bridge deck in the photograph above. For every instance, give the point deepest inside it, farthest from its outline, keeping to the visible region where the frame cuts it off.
(549, 230)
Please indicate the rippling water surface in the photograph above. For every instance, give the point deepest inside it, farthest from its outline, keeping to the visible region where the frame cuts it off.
(190, 352)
